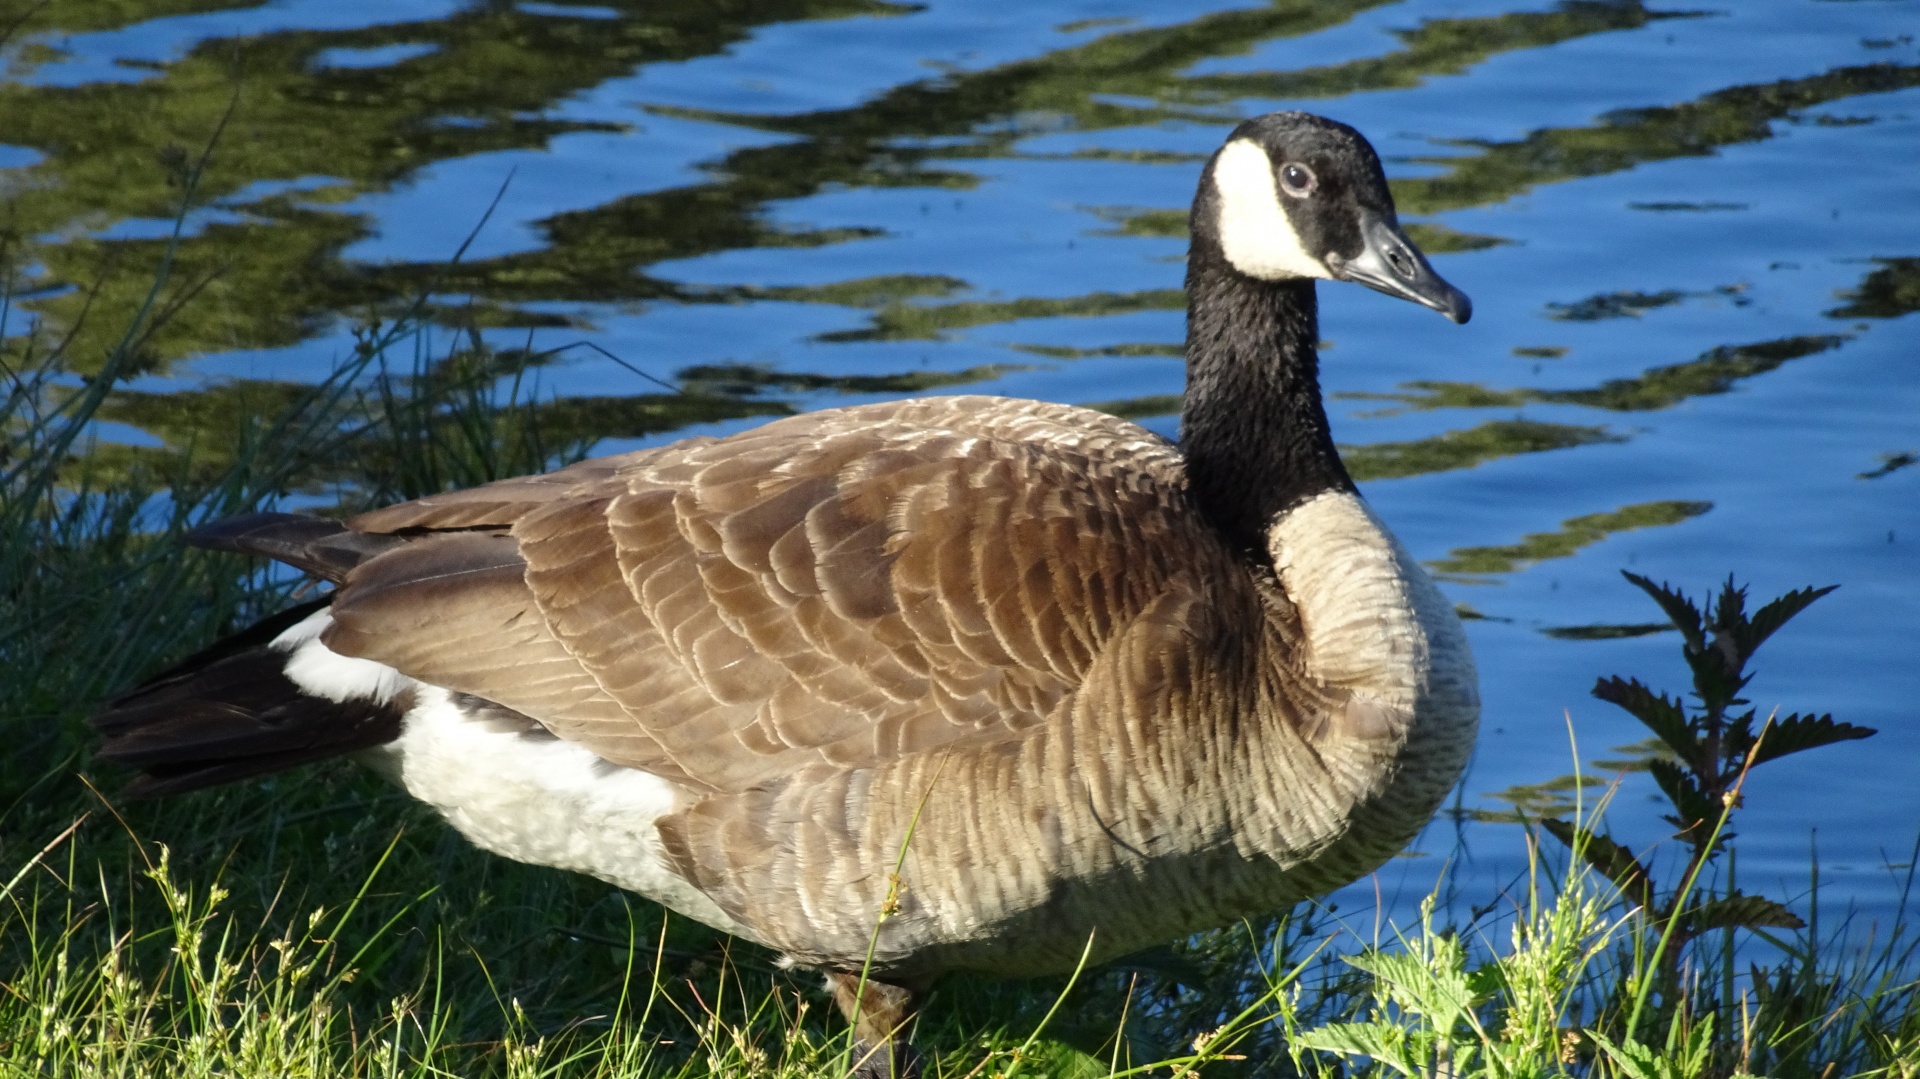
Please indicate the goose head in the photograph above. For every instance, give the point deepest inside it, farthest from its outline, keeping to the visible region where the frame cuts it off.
(1292, 195)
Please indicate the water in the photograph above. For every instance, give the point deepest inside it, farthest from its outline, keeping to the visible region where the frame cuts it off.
(1693, 351)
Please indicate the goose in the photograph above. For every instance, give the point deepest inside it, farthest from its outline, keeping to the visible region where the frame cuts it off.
(953, 683)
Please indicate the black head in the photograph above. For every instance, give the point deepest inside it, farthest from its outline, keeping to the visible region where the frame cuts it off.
(1294, 195)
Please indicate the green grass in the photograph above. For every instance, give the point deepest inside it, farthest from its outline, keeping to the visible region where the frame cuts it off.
(318, 923)
(174, 967)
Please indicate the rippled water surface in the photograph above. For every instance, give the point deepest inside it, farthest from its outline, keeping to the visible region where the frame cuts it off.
(1692, 236)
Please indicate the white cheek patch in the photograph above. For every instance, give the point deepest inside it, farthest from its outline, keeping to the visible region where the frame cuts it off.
(1254, 230)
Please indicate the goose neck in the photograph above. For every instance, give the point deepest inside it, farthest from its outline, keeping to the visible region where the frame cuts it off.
(1253, 431)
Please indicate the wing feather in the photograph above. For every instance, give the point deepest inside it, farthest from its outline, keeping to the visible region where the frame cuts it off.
(836, 589)
(501, 503)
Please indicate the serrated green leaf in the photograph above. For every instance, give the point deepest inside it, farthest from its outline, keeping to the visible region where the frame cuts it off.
(1687, 1060)
(1485, 981)
(1798, 732)
(1377, 1040)
(1630, 1058)
(1663, 716)
(1613, 860)
(1434, 987)
(1775, 614)
(1699, 1048)
(1692, 807)
(1717, 682)
(1386, 1043)
(1679, 609)
(1729, 609)
(1736, 740)
(1740, 911)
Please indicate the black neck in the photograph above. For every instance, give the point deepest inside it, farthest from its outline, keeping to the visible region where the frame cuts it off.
(1253, 431)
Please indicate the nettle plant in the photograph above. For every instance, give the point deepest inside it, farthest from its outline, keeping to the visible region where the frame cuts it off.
(1710, 744)
(1439, 1007)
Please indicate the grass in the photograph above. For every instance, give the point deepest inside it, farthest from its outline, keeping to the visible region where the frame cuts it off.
(320, 924)
(163, 970)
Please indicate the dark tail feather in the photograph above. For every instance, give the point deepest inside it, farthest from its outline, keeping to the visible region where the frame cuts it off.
(231, 713)
(324, 548)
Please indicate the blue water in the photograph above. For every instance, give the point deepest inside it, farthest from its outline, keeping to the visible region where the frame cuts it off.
(978, 149)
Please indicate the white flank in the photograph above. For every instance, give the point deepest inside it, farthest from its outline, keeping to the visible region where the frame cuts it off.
(319, 670)
(1375, 622)
(1254, 230)
(537, 799)
(526, 796)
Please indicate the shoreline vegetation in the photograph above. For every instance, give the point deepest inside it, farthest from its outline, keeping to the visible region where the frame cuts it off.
(317, 924)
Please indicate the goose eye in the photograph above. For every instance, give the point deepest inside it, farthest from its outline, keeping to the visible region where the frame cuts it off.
(1297, 180)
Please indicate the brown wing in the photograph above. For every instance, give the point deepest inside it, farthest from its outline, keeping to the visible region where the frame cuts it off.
(844, 587)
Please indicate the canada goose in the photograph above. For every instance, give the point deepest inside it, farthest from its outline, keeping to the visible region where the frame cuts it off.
(1117, 689)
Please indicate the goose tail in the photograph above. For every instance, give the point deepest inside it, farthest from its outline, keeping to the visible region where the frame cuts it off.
(232, 711)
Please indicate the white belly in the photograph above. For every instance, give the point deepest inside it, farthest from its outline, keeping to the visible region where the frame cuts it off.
(523, 795)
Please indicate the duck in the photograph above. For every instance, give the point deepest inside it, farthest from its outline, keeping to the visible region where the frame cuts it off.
(898, 689)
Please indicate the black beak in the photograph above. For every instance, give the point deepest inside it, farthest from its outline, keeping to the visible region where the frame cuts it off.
(1391, 264)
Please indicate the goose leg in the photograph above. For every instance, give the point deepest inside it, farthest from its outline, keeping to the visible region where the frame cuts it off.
(879, 1013)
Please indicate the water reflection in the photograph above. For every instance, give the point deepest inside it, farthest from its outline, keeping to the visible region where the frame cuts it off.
(340, 131)
(273, 267)
(201, 432)
(1570, 537)
(742, 380)
(1467, 448)
(1891, 463)
(911, 322)
(1607, 631)
(494, 70)
(1714, 372)
(1633, 304)
(1630, 137)
(1888, 292)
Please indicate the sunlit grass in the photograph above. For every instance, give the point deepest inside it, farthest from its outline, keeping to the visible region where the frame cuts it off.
(153, 969)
